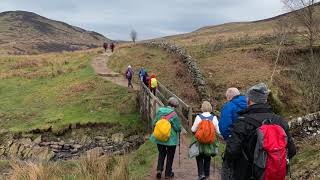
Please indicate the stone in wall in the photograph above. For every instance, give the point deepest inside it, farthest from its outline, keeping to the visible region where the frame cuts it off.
(306, 126)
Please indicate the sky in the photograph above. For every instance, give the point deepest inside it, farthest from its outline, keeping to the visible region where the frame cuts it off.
(150, 18)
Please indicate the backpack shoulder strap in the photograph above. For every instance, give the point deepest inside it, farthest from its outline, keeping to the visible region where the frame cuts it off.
(209, 118)
(252, 121)
(169, 116)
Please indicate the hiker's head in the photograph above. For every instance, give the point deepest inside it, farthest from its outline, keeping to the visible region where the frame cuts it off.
(232, 92)
(257, 94)
(206, 107)
(173, 102)
(129, 67)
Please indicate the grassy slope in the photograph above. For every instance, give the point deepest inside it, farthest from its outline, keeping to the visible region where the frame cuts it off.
(169, 70)
(57, 90)
(141, 161)
(305, 165)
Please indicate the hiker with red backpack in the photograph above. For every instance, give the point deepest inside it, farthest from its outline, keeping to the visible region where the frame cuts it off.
(129, 75)
(260, 145)
(165, 134)
(205, 128)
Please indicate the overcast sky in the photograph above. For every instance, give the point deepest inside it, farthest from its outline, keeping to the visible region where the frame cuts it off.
(150, 18)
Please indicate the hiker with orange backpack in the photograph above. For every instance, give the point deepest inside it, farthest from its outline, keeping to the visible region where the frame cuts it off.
(153, 84)
(260, 145)
(205, 128)
(165, 134)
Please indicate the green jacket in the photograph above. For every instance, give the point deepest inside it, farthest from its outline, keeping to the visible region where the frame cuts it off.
(175, 127)
(206, 149)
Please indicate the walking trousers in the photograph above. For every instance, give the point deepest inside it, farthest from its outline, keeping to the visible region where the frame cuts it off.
(166, 151)
(130, 82)
(203, 163)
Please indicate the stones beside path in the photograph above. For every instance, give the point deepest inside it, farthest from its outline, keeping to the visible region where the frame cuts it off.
(42, 150)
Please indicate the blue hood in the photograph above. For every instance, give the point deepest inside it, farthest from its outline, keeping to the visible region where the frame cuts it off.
(240, 101)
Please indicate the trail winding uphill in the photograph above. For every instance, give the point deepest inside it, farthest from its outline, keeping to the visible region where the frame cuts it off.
(187, 170)
(99, 64)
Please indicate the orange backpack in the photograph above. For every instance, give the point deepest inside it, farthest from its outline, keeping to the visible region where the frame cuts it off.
(206, 131)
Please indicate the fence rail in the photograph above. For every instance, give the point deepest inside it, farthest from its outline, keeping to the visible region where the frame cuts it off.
(150, 104)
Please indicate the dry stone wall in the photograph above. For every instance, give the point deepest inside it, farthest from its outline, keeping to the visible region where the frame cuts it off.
(197, 77)
(306, 126)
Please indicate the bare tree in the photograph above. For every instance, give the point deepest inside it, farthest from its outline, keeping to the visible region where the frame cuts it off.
(133, 35)
(281, 32)
(305, 12)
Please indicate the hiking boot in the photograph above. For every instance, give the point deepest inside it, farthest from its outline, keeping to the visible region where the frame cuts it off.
(158, 175)
(202, 178)
(169, 176)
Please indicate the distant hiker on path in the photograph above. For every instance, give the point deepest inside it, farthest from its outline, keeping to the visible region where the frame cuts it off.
(229, 112)
(165, 134)
(105, 46)
(143, 76)
(112, 46)
(153, 84)
(259, 143)
(204, 127)
(129, 75)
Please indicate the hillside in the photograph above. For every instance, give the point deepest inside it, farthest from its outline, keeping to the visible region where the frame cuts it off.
(239, 54)
(24, 32)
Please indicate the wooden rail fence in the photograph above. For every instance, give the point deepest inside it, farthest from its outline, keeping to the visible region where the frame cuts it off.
(150, 104)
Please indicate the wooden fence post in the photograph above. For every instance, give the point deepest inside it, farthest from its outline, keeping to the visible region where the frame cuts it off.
(190, 120)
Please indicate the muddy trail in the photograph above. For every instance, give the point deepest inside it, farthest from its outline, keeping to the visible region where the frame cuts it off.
(187, 170)
(99, 64)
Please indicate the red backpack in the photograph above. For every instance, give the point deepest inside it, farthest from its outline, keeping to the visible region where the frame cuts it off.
(270, 154)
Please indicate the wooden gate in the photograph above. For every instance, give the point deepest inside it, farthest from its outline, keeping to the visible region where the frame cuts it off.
(150, 104)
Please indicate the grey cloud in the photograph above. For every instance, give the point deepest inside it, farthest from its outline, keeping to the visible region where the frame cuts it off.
(151, 18)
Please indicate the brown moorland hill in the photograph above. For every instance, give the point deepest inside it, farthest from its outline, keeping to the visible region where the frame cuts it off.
(24, 32)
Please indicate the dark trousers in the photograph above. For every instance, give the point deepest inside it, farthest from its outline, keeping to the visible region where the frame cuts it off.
(203, 163)
(166, 151)
(153, 90)
(130, 82)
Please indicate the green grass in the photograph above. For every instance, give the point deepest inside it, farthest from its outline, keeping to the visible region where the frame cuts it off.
(305, 165)
(71, 93)
(141, 161)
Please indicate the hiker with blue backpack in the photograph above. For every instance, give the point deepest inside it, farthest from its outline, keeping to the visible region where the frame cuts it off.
(143, 76)
(229, 113)
(129, 75)
(166, 131)
(204, 142)
(260, 145)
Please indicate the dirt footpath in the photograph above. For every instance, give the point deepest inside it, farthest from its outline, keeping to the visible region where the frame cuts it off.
(99, 64)
(188, 167)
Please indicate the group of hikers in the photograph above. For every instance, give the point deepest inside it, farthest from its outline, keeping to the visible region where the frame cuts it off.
(149, 81)
(258, 142)
(106, 46)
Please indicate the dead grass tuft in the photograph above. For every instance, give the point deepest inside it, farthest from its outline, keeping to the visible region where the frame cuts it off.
(34, 171)
(26, 64)
(91, 166)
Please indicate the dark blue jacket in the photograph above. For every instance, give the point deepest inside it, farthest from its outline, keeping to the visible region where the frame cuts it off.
(229, 114)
